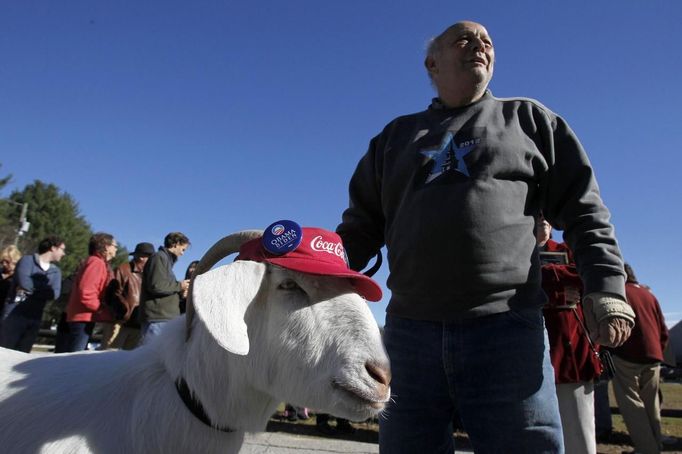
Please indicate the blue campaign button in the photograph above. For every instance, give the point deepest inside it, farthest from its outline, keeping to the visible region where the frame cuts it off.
(282, 236)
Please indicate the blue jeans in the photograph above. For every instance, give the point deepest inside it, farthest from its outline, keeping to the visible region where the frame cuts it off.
(151, 329)
(495, 370)
(18, 332)
(74, 338)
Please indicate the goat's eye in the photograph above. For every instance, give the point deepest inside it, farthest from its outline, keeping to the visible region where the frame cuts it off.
(289, 284)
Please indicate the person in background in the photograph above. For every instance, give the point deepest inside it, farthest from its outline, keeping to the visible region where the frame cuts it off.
(86, 302)
(123, 295)
(161, 291)
(37, 280)
(637, 366)
(576, 364)
(453, 192)
(9, 256)
(188, 276)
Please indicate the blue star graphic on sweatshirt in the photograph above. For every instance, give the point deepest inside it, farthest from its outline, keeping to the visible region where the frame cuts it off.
(447, 155)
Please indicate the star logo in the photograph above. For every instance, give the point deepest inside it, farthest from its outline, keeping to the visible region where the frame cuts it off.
(448, 155)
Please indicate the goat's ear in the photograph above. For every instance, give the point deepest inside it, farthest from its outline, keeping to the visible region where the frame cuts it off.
(221, 297)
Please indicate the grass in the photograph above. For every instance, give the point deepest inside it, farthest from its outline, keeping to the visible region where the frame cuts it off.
(619, 441)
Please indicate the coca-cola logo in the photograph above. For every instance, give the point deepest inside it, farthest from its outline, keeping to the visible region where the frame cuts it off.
(319, 244)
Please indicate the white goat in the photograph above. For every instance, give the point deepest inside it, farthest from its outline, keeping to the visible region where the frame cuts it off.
(260, 335)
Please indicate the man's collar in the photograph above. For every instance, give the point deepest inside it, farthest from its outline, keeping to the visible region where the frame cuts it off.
(438, 105)
(173, 257)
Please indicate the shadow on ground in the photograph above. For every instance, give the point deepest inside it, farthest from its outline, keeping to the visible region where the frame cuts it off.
(364, 433)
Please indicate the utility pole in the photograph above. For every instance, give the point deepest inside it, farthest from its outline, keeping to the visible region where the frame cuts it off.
(23, 223)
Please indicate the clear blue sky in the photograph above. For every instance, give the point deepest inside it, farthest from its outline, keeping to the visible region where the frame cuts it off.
(210, 117)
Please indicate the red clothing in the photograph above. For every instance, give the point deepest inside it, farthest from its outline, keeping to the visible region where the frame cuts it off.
(571, 355)
(87, 294)
(649, 335)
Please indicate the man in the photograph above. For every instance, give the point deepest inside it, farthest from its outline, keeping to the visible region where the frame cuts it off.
(637, 366)
(452, 192)
(160, 297)
(37, 280)
(123, 295)
(576, 362)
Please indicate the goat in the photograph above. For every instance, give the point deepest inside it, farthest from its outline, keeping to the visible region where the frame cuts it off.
(255, 334)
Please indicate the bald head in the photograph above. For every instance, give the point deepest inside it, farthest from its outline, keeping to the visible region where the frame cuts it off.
(460, 63)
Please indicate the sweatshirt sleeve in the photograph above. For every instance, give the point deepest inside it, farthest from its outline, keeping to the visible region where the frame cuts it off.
(362, 225)
(573, 204)
(157, 280)
(22, 273)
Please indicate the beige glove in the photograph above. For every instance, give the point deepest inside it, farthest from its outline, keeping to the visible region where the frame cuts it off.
(608, 318)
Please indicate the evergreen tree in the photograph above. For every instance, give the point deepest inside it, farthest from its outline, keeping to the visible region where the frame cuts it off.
(52, 212)
(7, 229)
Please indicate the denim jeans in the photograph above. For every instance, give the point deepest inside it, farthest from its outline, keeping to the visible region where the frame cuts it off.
(74, 338)
(151, 329)
(495, 370)
(18, 332)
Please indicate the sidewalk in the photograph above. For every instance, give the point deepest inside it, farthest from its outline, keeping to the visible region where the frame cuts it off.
(284, 443)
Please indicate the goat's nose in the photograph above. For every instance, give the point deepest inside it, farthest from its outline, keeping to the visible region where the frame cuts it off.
(379, 372)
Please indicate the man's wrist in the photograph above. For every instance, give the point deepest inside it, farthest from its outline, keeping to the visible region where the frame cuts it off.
(608, 305)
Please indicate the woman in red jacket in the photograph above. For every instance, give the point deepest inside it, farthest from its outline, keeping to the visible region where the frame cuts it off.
(575, 363)
(85, 302)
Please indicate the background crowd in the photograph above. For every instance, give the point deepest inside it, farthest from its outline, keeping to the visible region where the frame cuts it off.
(131, 303)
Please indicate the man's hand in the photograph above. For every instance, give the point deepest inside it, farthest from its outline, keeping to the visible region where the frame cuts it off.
(613, 332)
(608, 318)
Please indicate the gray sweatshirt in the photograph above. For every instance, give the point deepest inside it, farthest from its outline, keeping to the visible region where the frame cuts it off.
(453, 193)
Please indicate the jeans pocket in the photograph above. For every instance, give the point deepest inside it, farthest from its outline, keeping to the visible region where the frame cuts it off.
(528, 317)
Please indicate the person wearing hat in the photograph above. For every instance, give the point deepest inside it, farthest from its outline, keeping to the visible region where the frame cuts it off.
(123, 296)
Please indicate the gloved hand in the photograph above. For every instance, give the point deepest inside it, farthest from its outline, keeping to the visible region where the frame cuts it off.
(608, 318)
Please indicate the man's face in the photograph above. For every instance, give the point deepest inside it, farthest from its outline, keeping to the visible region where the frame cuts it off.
(141, 260)
(58, 252)
(179, 249)
(543, 231)
(465, 57)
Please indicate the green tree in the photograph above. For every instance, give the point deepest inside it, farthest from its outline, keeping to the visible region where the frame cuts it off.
(52, 212)
(7, 229)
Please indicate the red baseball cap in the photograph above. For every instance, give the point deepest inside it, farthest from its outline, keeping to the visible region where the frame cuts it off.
(320, 252)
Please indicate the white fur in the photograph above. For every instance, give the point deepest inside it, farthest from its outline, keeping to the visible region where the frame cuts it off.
(262, 335)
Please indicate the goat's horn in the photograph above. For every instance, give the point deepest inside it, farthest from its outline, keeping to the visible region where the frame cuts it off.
(226, 246)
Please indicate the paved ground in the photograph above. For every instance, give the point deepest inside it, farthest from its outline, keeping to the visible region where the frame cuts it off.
(284, 443)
